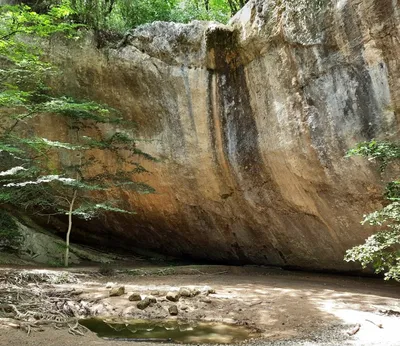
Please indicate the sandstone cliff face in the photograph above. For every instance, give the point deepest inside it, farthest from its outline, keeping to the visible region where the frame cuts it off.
(251, 122)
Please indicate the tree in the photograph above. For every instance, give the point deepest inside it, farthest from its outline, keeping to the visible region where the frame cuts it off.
(235, 5)
(60, 175)
(94, 13)
(214, 10)
(382, 249)
(77, 187)
(122, 15)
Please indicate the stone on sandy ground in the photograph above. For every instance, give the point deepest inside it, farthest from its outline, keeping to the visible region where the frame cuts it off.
(155, 293)
(173, 310)
(173, 296)
(205, 300)
(117, 291)
(143, 304)
(195, 292)
(208, 290)
(135, 297)
(185, 292)
(152, 299)
(184, 308)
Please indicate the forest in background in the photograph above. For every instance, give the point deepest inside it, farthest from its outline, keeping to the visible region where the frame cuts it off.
(122, 15)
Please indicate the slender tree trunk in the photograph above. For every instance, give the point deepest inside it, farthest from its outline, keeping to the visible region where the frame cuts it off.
(71, 208)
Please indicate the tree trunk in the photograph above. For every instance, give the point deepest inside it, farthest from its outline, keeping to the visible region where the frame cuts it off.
(71, 208)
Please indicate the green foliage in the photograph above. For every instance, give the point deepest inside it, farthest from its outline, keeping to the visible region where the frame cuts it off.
(10, 237)
(122, 15)
(382, 249)
(17, 22)
(379, 249)
(129, 14)
(189, 10)
(23, 72)
(61, 175)
(383, 152)
(80, 110)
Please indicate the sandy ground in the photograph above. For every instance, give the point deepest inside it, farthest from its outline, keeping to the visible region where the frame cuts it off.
(284, 308)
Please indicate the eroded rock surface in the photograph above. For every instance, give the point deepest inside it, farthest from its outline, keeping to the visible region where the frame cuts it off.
(251, 122)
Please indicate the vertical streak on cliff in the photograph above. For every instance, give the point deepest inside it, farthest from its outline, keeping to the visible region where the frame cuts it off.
(236, 123)
(216, 132)
(387, 12)
(235, 137)
(189, 100)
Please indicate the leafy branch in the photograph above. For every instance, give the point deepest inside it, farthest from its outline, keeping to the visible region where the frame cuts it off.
(65, 174)
(382, 249)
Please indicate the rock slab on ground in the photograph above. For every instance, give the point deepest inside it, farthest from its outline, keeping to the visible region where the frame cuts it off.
(143, 304)
(135, 297)
(117, 291)
(172, 296)
(173, 310)
(185, 292)
(152, 299)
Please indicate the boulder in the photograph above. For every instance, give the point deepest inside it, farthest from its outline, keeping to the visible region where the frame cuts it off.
(205, 300)
(110, 284)
(143, 304)
(117, 291)
(173, 296)
(173, 310)
(152, 299)
(195, 292)
(134, 297)
(185, 292)
(208, 290)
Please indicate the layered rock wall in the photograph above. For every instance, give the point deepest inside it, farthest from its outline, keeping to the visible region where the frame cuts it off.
(251, 122)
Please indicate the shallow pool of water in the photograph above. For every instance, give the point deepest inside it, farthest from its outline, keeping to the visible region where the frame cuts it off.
(167, 331)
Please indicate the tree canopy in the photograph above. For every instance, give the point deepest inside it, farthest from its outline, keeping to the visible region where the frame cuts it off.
(121, 15)
(61, 175)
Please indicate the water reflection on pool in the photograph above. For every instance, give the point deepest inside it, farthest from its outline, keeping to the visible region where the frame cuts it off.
(167, 331)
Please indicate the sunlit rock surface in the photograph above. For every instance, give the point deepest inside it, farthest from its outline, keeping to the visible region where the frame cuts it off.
(251, 122)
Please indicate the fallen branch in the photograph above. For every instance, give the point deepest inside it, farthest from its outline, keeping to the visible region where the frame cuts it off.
(354, 330)
(379, 325)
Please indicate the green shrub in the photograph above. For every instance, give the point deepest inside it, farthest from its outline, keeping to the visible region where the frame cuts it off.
(10, 236)
(381, 250)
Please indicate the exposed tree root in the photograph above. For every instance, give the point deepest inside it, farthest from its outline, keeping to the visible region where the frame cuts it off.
(27, 306)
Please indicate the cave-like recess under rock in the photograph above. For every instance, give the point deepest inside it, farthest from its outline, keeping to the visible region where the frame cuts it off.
(251, 122)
